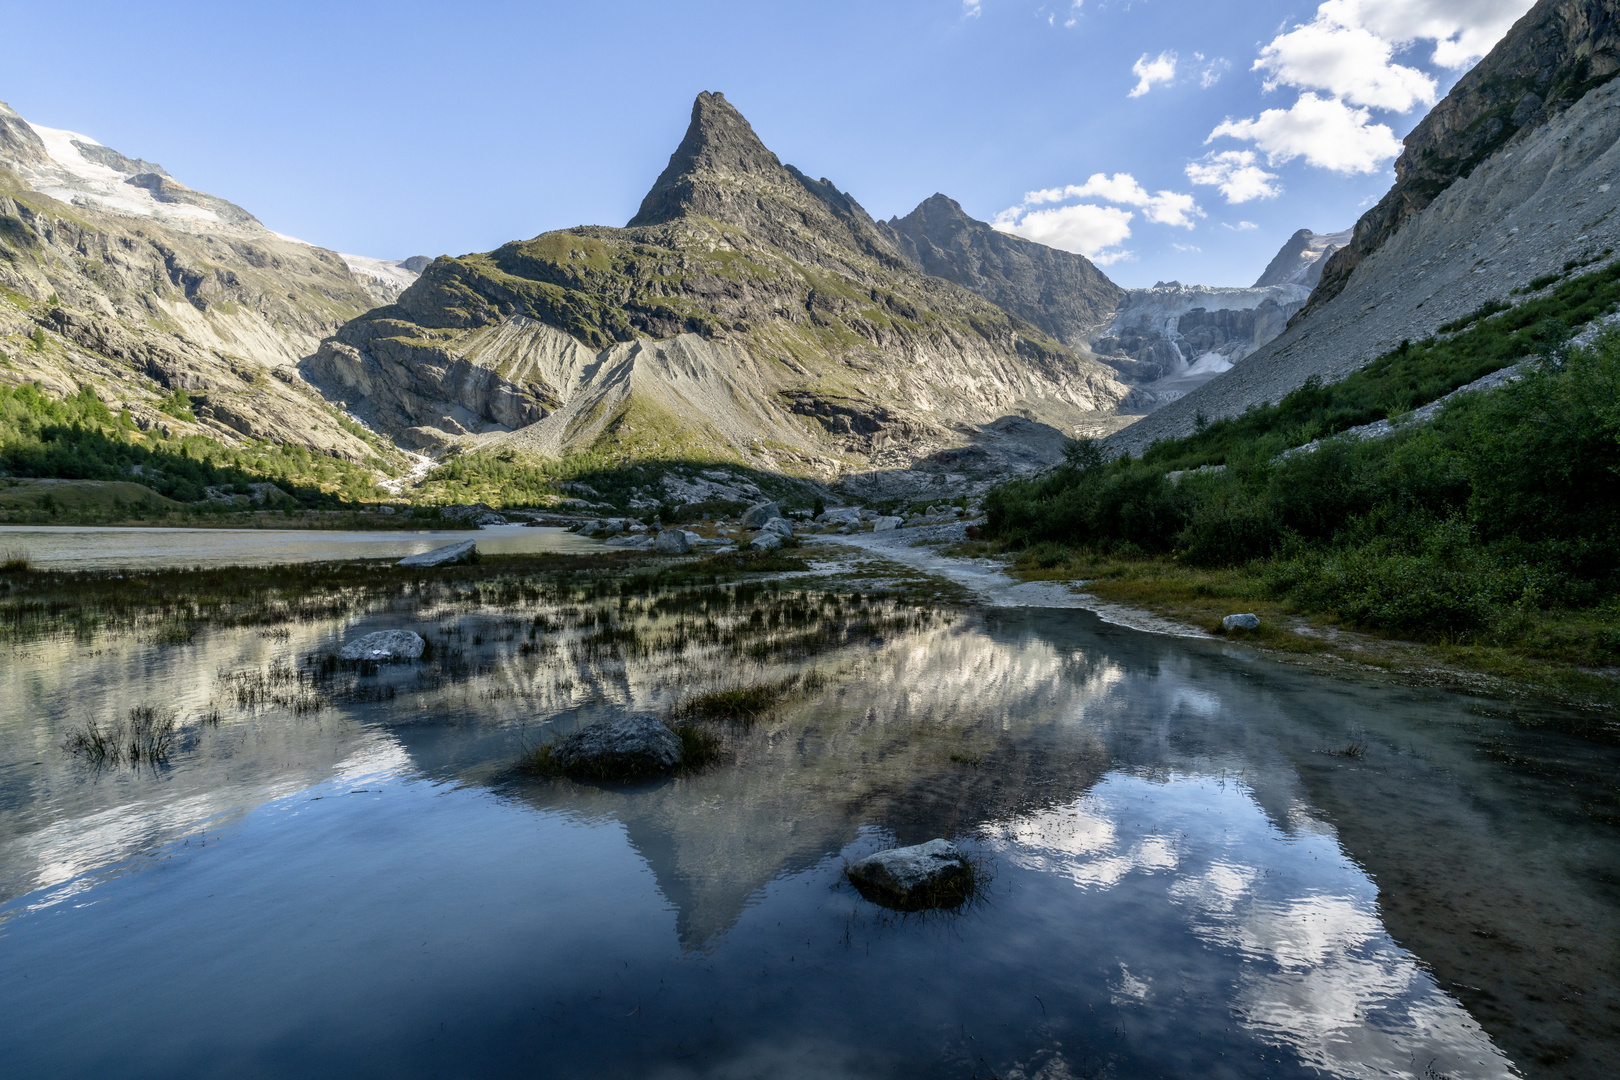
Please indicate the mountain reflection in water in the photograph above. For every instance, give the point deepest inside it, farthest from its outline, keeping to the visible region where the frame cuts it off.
(1172, 892)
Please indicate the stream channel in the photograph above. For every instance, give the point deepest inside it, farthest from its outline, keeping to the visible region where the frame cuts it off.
(1199, 862)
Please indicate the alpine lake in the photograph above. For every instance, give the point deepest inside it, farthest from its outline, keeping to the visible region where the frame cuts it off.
(1191, 859)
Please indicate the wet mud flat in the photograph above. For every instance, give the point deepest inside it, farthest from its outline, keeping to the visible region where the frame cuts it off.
(1198, 862)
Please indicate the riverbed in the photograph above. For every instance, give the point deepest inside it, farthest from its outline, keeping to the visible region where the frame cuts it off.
(1198, 862)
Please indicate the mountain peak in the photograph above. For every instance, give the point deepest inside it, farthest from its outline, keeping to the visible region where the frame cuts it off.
(719, 160)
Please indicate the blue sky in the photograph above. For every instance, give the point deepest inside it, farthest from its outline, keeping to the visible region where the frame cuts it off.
(431, 128)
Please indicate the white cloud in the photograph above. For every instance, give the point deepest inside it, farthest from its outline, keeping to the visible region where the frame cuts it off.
(1342, 61)
(1236, 174)
(1326, 132)
(1189, 248)
(1349, 63)
(1094, 231)
(1161, 69)
(970, 9)
(1211, 71)
(1161, 207)
(1242, 226)
(1462, 30)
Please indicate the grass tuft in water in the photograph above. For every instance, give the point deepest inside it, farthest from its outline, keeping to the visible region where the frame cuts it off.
(744, 704)
(144, 737)
(15, 561)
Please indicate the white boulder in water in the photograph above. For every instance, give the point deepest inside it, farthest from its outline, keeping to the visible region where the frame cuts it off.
(385, 647)
(935, 874)
(639, 745)
(460, 551)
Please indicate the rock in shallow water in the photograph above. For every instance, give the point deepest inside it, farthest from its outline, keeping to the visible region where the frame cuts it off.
(638, 745)
(451, 553)
(935, 874)
(1240, 622)
(386, 646)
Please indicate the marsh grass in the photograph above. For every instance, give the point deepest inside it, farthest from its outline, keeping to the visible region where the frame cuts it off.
(15, 561)
(145, 736)
(747, 703)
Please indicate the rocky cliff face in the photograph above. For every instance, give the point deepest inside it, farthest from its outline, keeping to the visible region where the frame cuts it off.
(143, 286)
(1545, 201)
(746, 312)
(1058, 291)
(1553, 56)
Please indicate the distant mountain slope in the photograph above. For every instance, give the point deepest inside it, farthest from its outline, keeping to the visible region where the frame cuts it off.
(1302, 258)
(142, 286)
(1542, 204)
(1549, 60)
(747, 312)
(1059, 291)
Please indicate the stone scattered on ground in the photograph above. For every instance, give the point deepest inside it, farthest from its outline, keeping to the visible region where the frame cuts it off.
(450, 554)
(1240, 622)
(631, 540)
(759, 514)
(935, 874)
(632, 746)
(386, 647)
(673, 542)
(886, 524)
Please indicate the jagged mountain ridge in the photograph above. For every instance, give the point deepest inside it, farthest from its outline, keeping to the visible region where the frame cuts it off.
(1302, 258)
(1541, 202)
(1059, 291)
(144, 286)
(747, 311)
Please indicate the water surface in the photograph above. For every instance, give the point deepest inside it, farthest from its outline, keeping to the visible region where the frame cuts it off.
(1187, 874)
(111, 547)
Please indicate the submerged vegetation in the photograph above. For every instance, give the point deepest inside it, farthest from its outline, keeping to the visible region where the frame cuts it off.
(144, 737)
(1496, 525)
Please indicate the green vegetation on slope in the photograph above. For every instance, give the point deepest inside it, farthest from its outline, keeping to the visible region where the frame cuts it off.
(1498, 523)
(77, 438)
(1403, 379)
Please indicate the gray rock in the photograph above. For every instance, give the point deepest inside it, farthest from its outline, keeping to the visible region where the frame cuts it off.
(759, 514)
(638, 745)
(886, 524)
(766, 541)
(461, 551)
(1240, 622)
(673, 542)
(386, 646)
(934, 874)
(780, 526)
(473, 514)
(840, 515)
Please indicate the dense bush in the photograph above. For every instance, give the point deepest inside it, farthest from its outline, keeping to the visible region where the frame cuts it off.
(1509, 501)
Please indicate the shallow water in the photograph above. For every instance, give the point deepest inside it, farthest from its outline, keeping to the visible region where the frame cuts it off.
(1186, 875)
(107, 547)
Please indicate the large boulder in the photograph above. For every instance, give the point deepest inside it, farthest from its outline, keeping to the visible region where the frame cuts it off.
(886, 524)
(935, 874)
(1240, 622)
(766, 541)
(840, 515)
(759, 514)
(780, 526)
(633, 746)
(460, 551)
(674, 542)
(386, 647)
